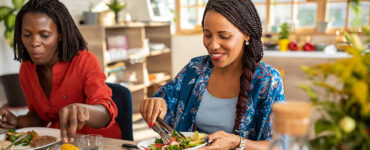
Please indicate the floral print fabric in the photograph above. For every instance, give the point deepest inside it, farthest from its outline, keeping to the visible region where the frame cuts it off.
(184, 93)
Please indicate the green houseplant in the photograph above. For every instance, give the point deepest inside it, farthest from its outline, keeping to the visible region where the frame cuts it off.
(284, 37)
(345, 104)
(116, 6)
(356, 20)
(9, 76)
(8, 14)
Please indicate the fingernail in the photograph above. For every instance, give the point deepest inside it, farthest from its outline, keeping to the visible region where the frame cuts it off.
(151, 124)
(71, 139)
(65, 140)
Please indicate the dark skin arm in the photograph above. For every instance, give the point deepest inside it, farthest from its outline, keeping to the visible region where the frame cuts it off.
(223, 140)
(10, 121)
(74, 116)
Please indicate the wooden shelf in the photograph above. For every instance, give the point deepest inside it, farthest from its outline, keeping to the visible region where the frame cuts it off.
(159, 52)
(136, 87)
(128, 25)
(304, 54)
(166, 78)
(136, 33)
(151, 53)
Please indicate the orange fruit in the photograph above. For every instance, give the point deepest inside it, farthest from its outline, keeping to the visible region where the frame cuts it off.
(68, 147)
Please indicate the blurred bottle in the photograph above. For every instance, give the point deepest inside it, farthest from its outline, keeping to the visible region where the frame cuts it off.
(291, 123)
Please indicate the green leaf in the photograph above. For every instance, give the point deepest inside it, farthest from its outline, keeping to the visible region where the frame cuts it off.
(4, 11)
(116, 5)
(9, 35)
(313, 96)
(323, 125)
(17, 4)
(10, 21)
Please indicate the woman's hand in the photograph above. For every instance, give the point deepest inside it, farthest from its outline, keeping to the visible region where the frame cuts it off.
(151, 108)
(8, 120)
(222, 140)
(72, 117)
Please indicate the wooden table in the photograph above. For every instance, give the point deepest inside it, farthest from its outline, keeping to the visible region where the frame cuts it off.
(115, 144)
(109, 143)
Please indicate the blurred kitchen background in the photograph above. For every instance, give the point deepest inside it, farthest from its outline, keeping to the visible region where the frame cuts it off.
(151, 40)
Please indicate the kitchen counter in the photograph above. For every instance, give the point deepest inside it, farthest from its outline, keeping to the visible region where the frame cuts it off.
(290, 63)
(301, 54)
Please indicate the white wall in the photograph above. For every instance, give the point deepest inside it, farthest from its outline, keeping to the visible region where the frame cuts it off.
(7, 64)
(185, 47)
(77, 7)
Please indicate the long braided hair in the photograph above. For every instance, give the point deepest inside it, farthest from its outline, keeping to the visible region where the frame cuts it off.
(72, 40)
(243, 14)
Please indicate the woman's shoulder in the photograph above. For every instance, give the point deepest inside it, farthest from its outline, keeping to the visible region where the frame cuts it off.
(26, 67)
(84, 57)
(85, 54)
(267, 71)
(200, 63)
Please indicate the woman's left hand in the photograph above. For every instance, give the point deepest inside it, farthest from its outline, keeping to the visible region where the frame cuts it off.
(222, 140)
(72, 117)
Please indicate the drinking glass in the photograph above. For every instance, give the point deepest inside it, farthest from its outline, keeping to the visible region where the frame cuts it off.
(90, 142)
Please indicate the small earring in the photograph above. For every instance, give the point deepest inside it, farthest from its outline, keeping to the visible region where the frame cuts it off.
(246, 43)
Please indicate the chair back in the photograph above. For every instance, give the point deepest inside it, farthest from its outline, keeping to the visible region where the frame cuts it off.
(123, 100)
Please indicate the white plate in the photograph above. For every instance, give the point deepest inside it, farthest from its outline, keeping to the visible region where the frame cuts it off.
(144, 144)
(40, 131)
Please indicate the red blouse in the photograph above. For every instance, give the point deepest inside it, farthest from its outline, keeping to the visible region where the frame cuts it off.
(78, 81)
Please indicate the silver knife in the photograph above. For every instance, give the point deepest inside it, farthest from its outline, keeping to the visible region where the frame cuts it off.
(17, 140)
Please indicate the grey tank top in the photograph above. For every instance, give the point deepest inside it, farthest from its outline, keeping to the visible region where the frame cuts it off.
(215, 114)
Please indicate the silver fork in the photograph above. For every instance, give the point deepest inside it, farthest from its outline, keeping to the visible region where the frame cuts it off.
(164, 136)
(167, 127)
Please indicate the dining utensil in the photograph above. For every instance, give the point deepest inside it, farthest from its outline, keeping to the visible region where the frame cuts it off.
(127, 145)
(206, 139)
(2, 118)
(24, 135)
(164, 136)
(168, 129)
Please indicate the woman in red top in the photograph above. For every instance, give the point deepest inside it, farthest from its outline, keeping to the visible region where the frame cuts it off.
(62, 82)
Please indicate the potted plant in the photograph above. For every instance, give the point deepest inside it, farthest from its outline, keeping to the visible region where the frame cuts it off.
(345, 104)
(116, 6)
(90, 16)
(9, 80)
(284, 37)
(8, 14)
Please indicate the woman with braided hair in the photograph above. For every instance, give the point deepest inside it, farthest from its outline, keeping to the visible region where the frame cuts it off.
(227, 94)
(63, 83)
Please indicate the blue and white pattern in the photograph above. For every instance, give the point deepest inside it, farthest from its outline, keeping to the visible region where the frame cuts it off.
(184, 93)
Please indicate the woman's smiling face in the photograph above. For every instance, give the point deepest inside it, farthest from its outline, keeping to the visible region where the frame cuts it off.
(224, 41)
(40, 37)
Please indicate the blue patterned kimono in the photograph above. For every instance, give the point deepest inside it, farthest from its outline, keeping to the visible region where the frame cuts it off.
(184, 93)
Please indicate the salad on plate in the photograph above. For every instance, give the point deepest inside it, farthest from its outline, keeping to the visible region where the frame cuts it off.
(178, 142)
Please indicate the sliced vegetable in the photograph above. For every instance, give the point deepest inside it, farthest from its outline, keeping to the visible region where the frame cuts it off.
(178, 142)
(12, 135)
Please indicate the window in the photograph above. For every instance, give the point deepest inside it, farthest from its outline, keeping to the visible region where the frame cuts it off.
(303, 15)
(340, 14)
(262, 10)
(363, 16)
(337, 14)
(300, 14)
(190, 15)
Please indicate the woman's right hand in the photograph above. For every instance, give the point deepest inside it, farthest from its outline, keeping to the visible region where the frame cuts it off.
(8, 120)
(151, 108)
